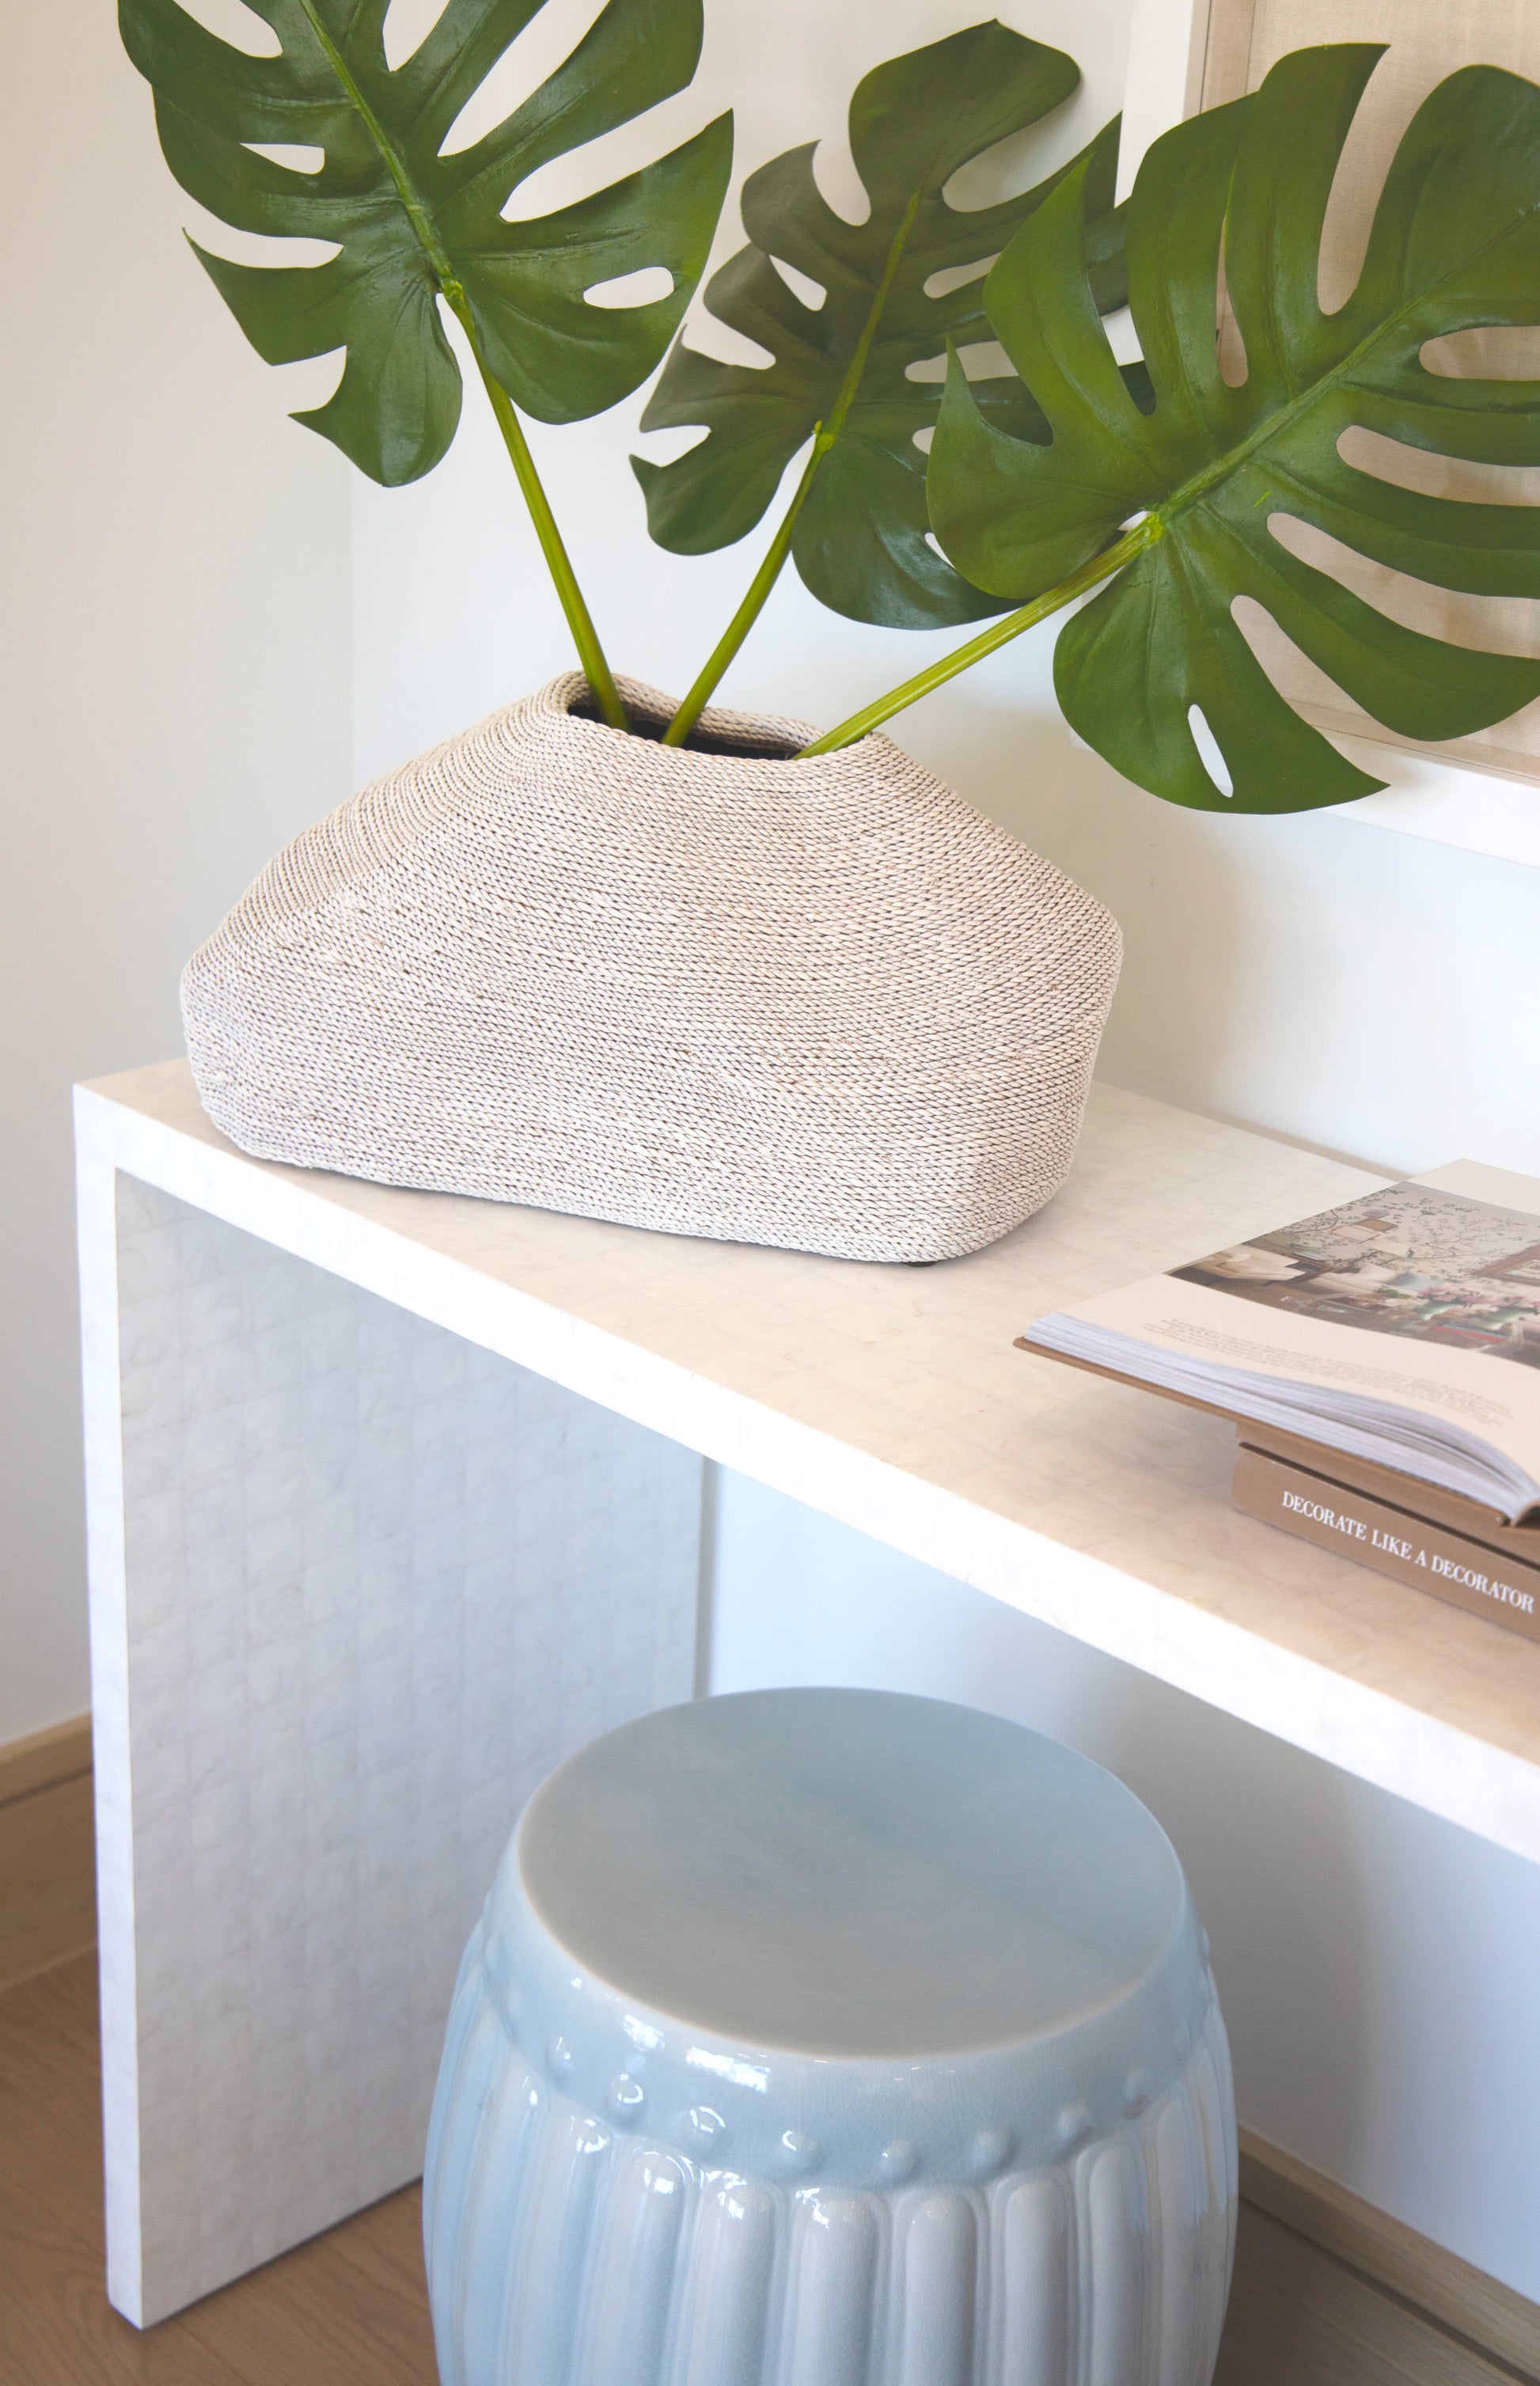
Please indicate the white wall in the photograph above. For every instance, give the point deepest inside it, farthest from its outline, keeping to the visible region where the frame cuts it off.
(1362, 990)
(173, 689)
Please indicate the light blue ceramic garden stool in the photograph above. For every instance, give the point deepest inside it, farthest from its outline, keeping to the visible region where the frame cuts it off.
(825, 2038)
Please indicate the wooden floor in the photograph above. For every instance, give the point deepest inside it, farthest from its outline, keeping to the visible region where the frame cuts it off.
(1298, 2317)
(349, 2309)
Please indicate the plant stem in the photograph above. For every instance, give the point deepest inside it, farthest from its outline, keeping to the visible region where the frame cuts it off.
(999, 634)
(825, 435)
(748, 611)
(600, 678)
(590, 653)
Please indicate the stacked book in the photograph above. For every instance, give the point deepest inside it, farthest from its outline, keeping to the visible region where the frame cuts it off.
(1381, 1361)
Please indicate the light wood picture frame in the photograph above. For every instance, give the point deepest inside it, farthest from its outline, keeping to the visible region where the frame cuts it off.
(1481, 792)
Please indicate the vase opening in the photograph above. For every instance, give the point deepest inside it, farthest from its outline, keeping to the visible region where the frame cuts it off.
(651, 721)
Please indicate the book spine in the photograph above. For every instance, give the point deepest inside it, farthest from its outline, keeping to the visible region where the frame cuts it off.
(1408, 1548)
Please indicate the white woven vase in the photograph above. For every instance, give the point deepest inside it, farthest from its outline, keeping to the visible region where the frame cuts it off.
(823, 1004)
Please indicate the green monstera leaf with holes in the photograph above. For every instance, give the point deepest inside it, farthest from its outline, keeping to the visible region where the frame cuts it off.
(1455, 244)
(412, 224)
(860, 540)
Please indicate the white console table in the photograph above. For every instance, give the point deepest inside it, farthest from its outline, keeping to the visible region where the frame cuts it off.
(395, 1497)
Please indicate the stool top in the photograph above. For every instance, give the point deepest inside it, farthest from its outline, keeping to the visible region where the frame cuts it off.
(851, 1873)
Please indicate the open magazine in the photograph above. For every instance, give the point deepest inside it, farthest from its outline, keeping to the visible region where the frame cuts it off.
(1403, 1328)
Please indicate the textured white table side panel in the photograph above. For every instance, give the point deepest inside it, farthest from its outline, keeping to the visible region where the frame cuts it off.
(96, 1191)
(379, 1581)
(1104, 1564)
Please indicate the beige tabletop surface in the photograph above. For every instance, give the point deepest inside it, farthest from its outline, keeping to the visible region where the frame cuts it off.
(892, 1397)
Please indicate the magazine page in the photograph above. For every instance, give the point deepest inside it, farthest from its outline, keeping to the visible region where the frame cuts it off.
(1420, 1294)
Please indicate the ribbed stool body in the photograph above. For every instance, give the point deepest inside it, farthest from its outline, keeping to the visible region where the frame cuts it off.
(832, 2038)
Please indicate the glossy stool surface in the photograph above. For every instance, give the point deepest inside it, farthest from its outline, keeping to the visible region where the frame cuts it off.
(833, 2038)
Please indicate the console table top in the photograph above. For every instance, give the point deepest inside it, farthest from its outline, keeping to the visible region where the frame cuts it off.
(892, 1398)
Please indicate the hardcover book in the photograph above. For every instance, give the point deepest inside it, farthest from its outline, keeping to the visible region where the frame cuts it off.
(1430, 1540)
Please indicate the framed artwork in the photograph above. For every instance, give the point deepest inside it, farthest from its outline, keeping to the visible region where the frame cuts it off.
(1482, 791)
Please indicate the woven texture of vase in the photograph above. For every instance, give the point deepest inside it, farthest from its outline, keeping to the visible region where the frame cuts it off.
(822, 1004)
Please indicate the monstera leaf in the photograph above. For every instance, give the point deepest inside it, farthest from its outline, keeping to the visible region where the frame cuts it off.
(1455, 244)
(860, 541)
(411, 223)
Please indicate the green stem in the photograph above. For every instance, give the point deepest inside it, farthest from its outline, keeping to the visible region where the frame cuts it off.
(825, 435)
(999, 634)
(580, 621)
(747, 613)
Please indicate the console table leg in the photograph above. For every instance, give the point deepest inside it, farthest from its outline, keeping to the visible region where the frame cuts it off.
(356, 1585)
